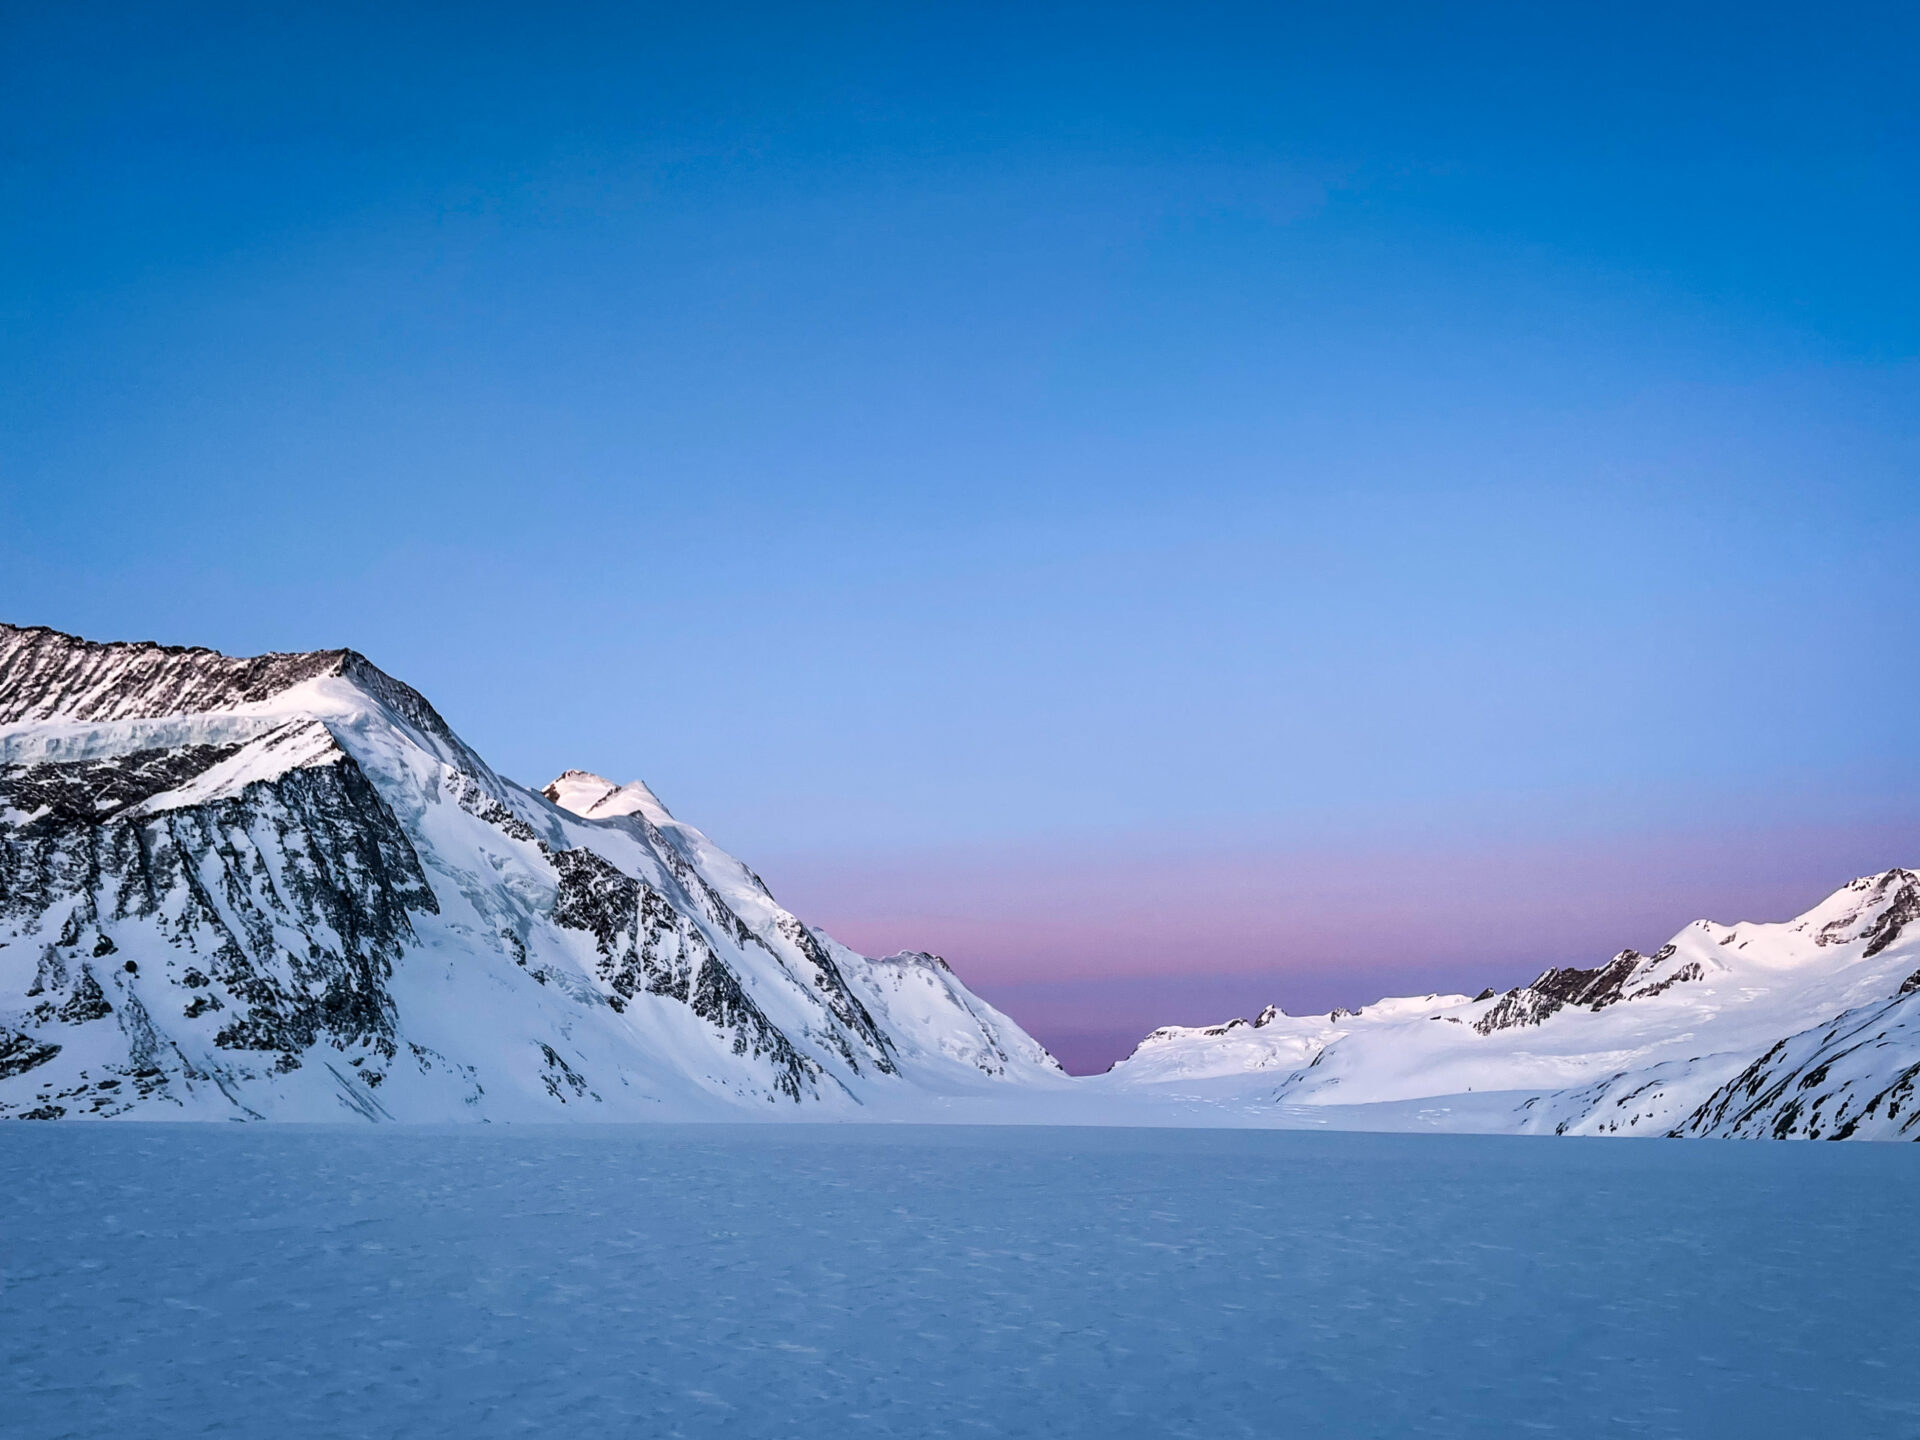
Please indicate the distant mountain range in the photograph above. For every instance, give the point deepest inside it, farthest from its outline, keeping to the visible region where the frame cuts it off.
(1810, 1028)
(282, 888)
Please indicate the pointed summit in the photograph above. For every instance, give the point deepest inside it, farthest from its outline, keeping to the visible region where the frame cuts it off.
(594, 797)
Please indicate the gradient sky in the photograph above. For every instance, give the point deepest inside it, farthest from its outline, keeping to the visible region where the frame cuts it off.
(1172, 506)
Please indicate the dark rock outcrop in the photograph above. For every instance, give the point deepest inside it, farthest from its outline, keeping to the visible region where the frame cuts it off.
(1829, 1083)
(286, 903)
(645, 945)
(1604, 985)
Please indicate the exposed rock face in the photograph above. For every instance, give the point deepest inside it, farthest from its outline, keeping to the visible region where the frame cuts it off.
(645, 945)
(45, 675)
(283, 886)
(283, 905)
(1598, 988)
(855, 1035)
(1521, 1006)
(1628, 973)
(1888, 905)
(1853, 1076)
(20, 1053)
(853, 1020)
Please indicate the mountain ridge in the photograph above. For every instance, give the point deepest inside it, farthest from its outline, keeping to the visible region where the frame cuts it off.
(283, 887)
(1805, 1027)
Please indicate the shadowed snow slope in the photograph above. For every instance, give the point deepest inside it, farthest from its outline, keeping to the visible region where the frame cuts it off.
(282, 887)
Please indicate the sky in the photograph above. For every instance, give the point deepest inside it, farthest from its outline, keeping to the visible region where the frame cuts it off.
(1172, 507)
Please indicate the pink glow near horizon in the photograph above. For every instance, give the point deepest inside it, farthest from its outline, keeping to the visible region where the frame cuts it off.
(1092, 950)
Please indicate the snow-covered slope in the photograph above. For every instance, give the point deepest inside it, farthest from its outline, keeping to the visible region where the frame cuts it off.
(283, 887)
(1807, 1028)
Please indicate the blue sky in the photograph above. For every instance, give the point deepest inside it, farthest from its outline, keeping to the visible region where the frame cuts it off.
(1176, 506)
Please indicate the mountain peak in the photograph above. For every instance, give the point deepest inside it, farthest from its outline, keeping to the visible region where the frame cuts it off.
(317, 901)
(594, 797)
(49, 675)
(46, 674)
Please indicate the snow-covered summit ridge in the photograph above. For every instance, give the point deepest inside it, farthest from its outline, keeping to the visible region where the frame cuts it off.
(592, 797)
(1810, 1026)
(48, 675)
(63, 694)
(281, 886)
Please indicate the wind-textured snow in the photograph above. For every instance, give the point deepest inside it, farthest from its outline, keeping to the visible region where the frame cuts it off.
(474, 1282)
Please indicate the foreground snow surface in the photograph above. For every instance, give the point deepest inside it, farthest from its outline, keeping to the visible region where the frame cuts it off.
(171, 1280)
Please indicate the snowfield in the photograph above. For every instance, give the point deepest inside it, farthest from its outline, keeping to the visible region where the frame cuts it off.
(739, 1281)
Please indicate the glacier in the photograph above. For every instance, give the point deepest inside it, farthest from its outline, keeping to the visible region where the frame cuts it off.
(281, 887)
(770, 1281)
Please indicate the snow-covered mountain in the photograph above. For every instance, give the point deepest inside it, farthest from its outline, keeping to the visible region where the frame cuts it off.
(283, 887)
(1809, 1028)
